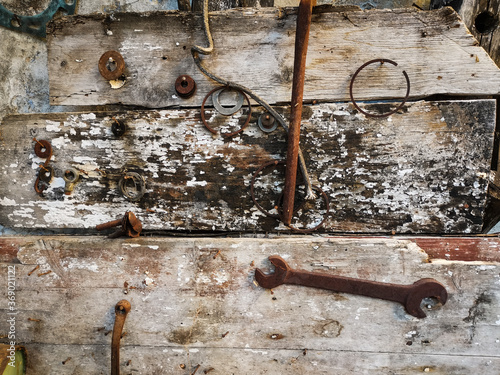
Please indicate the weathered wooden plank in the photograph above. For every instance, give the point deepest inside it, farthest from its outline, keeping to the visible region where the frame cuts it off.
(254, 47)
(93, 359)
(423, 171)
(482, 19)
(194, 301)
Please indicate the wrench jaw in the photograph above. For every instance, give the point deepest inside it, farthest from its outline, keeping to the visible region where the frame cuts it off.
(270, 281)
(424, 288)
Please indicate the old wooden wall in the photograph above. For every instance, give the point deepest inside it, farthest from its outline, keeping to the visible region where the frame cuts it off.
(194, 302)
(195, 305)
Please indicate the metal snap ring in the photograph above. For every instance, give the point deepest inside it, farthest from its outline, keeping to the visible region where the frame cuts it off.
(383, 114)
(133, 186)
(267, 123)
(227, 111)
(115, 57)
(203, 118)
(280, 198)
(309, 230)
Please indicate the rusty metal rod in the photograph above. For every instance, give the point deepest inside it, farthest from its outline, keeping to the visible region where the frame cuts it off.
(121, 310)
(299, 70)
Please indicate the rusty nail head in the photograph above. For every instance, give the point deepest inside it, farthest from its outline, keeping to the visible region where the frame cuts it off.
(118, 127)
(185, 86)
(106, 58)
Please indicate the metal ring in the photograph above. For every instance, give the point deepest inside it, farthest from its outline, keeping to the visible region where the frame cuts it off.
(265, 129)
(252, 191)
(46, 173)
(223, 110)
(203, 119)
(103, 62)
(252, 183)
(139, 186)
(309, 230)
(383, 114)
(43, 144)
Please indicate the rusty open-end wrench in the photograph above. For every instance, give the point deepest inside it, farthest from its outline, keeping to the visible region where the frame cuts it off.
(410, 296)
(121, 310)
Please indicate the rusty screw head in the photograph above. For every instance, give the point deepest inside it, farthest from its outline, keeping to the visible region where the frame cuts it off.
(118, 128)
(185, 86)
(267, 123)
(104, 62)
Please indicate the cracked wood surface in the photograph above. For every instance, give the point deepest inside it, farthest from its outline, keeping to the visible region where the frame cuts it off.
(424, 170)
(194, 302)
(254, 47)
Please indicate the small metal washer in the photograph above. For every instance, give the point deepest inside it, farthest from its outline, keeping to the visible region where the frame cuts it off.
(225, 110)
(263, 127)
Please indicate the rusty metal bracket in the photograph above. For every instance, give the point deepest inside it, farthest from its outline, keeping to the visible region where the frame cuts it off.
(122, 308)
(37, 24)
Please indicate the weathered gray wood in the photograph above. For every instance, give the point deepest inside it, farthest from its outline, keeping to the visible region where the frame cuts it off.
(194, 302)
(254, 47)
(93, 359)
(482, 17)
(424, 170)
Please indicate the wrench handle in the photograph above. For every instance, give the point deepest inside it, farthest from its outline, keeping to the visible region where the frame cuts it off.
(121, 310)
(341, 284)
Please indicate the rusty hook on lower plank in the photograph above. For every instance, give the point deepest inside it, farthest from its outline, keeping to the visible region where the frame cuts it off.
(121, 310)
(299, 70)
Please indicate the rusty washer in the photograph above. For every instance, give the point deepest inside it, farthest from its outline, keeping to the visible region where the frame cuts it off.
(185, 86)
(111, 56)
(383, 114)
(43, 149)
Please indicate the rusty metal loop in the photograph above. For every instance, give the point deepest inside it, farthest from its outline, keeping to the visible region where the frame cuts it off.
(185, 86)
(136, 192)
(278, 216)
(203, 119)
(43, 144)
(103, 62)
(45, 174)
(325, 216)
(383, 114)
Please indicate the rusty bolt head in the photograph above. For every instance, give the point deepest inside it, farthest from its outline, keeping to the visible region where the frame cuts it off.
(185, 86)
(114, 57)
(118, 128)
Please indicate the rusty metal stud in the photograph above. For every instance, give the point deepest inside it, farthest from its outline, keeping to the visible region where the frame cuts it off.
(185, 86)
(133, 186)
(267, 123)
(106, 58)
(131, 226)
(118, 127)
(122, 308)
(381, 61)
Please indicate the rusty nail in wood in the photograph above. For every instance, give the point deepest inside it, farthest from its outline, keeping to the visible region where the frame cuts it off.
(33, 270)
(37, 141)
(195, 369)
(225, 334)
(66, 360)
(34, 320)
(182, 366)
(44, 273)
(109, 224)
(299, 69)
(208, 370)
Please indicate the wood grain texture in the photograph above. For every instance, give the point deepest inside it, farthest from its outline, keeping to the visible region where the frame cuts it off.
(254, 47)
(424, 170)
(194, 302)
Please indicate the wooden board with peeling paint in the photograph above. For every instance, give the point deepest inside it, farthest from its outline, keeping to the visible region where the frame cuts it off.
(254, 47)
(194, 302)
(424, 170)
